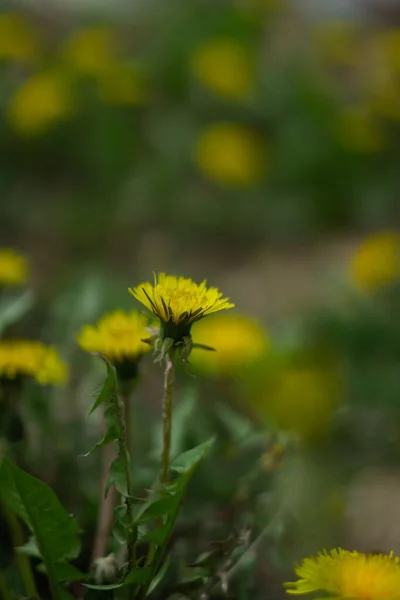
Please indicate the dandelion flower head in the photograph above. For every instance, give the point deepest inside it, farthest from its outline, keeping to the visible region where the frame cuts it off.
(40, 102)
(376, 263)
(238, 341)
(33, 359)
(117, 335)
(179, 302)
(18, 38)
(224, 65)
(91, 50)
(230, 154)
(13, 267)
(343, 574)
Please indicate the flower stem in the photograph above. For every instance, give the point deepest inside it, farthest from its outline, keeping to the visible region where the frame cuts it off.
(167, 418)
(5, 592)
(24, 564)
(125, 455)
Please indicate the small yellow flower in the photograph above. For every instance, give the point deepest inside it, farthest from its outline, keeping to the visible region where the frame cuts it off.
(376, 263)
(18, 39)
(224, 66)
(231, 155)
(41, 101)
(117, 335)
(31, 358)
(179, 302)
(238, 341)
(91, 50)
(123, 84)
(13, 267)
(296, 397)
(342, 574)
(338, 42)
(359, 129)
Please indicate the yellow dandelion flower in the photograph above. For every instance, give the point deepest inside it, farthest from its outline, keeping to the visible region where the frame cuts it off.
(238, 341)
(123, 84)
(359, 129)
(296, 397)
(179, 302)
(91, 50)
(224, 66)
(41, 101)
(31, 358)
(13, 267)
(376, 263)
(230, 154)
(338, 42)
(18, 38)
(353, 575)
(117, 335)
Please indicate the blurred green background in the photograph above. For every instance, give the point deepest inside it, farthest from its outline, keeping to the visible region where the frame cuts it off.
(254, 143)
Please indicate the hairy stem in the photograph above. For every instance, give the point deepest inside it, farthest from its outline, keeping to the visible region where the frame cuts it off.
(124, 453)
(107, 504)
(167, 418)
(17, 538)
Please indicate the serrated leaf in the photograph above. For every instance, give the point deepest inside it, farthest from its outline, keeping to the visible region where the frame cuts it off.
(110, 385)
(190, 459)
(30, 548)
(158, 508)
(117, 476)
(113, 430)
(55, 532)
(120, 533)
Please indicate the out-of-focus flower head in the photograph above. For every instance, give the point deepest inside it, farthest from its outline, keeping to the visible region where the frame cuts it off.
(238, 342)
(179, 302)
(231, 155)
(34, 359)
(296, 394)
(41, 101)
(91, 50)
(19, 40)
(382, 79)
(118, 335)
(123, 84)
(13, 267)
(359, 129)
(349, 575)
(338, 42)
(376, 263)
(225, 66)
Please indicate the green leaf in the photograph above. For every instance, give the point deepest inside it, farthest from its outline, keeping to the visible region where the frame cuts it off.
(108, 586)
(138, 575)
(113, 429)
(160, 575)
(189, 460)
(55, 532)
(64, 571)
(117, 476)
(13, 310)
(157, 508)
(109, 388)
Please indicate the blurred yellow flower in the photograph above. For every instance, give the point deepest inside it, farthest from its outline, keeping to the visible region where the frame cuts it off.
(13, 267)
(225, 66)
(359, 129)
(230, 154)
(238, 342)
(117, 335)
(179, 302)
(91, 50)
(338, 42)
(300, 398)
(40, 102)
(123, 84)
(376, 263)
(385, 46)
(18, 38)
(342, 574)
(34, 359)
